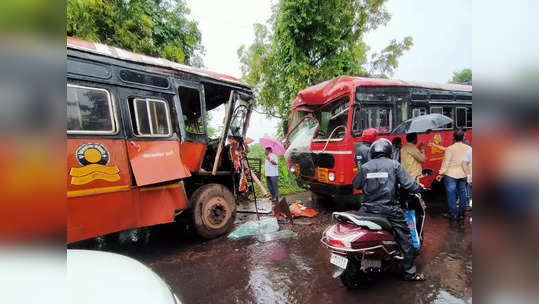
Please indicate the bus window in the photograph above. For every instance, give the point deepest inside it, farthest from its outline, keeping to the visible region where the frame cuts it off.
(192, 114)
(89, 111)
(468, 117)
(418, 112)
(378, 117)
(333, 119)
(152, 117)
(447, 111)
(461, 117)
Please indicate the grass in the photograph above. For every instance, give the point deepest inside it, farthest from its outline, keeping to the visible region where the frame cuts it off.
(287, 180)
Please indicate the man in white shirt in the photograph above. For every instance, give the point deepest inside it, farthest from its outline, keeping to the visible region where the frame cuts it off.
(272, 173)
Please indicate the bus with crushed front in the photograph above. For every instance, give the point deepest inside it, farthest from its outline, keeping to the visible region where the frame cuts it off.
(345, 106)
(139, 151)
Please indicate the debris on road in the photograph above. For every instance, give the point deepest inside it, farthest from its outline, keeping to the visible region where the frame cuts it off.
(297, 209)
(251, 228)
(277, 235)
(264, 206)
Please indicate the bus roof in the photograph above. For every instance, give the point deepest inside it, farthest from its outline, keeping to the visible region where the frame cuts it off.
(322, 92)
(118, 53)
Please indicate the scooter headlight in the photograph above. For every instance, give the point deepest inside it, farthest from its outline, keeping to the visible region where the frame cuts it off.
(331, 176)
(293, 169)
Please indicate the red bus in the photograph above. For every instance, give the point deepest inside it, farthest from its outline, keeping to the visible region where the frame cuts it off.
(345, 106)
(138, 148)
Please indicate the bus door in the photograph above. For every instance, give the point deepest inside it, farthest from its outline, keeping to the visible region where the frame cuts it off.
(97, 163)
(193, 123)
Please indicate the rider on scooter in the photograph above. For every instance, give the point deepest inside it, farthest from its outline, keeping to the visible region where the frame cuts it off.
(379, 178)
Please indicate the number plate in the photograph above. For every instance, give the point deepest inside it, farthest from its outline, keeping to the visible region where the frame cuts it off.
(338, 261)
(368, 263)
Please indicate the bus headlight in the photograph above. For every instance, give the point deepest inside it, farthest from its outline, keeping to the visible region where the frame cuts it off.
(331, 176)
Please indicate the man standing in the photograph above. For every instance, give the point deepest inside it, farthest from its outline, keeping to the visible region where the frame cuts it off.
(454, 177)
(412, 156)
(272, 174)
(361, 149)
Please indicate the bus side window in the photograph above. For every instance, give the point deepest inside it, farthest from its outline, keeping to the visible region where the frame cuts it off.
(89, 111)
(152, 117)
(461, 117)
(377, 117)
(418, 112)
(468, 117)
(445, 110)
(192, 113)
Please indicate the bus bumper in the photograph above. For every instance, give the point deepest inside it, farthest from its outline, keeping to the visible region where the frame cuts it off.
(330, 189)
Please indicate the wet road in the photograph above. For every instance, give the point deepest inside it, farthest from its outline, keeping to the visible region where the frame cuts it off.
(295, 270)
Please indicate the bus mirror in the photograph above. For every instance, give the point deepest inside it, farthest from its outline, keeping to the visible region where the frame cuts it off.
(427, 172)
(285, 127)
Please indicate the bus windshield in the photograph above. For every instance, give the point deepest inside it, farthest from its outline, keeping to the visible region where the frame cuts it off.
(333, 119)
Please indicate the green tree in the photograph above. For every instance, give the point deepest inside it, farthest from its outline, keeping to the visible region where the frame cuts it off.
(309, 41)
(152, 27)
(462, 76)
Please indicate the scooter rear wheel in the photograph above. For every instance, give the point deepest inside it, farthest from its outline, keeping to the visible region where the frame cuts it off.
(353, 277)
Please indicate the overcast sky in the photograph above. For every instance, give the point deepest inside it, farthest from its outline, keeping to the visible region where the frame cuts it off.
(441, 31)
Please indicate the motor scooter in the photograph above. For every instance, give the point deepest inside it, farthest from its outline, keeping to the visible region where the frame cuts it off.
(362, 244)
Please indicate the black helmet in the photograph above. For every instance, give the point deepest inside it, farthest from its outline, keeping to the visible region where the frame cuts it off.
(381, 148)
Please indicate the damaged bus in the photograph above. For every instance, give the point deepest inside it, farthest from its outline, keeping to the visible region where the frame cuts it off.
(345, 106)
(139, 151)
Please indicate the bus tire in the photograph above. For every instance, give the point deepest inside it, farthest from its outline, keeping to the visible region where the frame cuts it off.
(214, 210)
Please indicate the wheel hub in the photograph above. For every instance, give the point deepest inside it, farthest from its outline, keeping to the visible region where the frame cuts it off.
(216, 214)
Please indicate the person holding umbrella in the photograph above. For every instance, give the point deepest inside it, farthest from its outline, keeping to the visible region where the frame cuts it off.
(272, 147)
(272, 173)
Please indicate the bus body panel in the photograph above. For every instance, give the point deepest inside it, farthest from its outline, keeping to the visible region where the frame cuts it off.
(156, 161)
(192, 154)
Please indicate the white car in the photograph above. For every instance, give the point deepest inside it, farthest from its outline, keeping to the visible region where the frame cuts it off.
(104, 277)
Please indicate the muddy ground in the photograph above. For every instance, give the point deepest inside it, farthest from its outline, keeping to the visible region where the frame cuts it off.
(295, 270)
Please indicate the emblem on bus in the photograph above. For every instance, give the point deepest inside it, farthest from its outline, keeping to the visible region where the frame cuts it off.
(94, 158)
(437, 140)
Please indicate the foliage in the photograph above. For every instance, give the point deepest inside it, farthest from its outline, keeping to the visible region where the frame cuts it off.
(152, 27)
(462, 76)
(310, 41)
(287, 180)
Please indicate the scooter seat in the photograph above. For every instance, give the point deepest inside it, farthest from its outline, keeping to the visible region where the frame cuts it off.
(375, 218)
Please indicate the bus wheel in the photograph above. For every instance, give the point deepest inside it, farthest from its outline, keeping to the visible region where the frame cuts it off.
(214, 210)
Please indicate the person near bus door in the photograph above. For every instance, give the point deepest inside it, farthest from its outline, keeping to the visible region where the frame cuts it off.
(272, 173)
(454, 177)
(379, 179)
(361, 148)
(413, 156)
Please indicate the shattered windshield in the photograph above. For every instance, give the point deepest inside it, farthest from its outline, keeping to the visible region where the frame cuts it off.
(333, 120)
(300, 137)
(239, 118)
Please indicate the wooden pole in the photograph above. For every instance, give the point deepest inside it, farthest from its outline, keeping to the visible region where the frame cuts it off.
(228, 115)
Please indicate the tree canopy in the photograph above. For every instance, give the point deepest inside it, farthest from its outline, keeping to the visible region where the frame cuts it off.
(309, 41)
(152, 27)
(462, 76)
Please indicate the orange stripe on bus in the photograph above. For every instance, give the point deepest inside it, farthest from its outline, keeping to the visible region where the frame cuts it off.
(96, 190)
(160, 187)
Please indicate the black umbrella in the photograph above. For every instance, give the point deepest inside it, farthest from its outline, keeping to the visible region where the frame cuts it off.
(422, 123)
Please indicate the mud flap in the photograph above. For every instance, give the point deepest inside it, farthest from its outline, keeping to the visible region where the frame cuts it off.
(337, 272)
